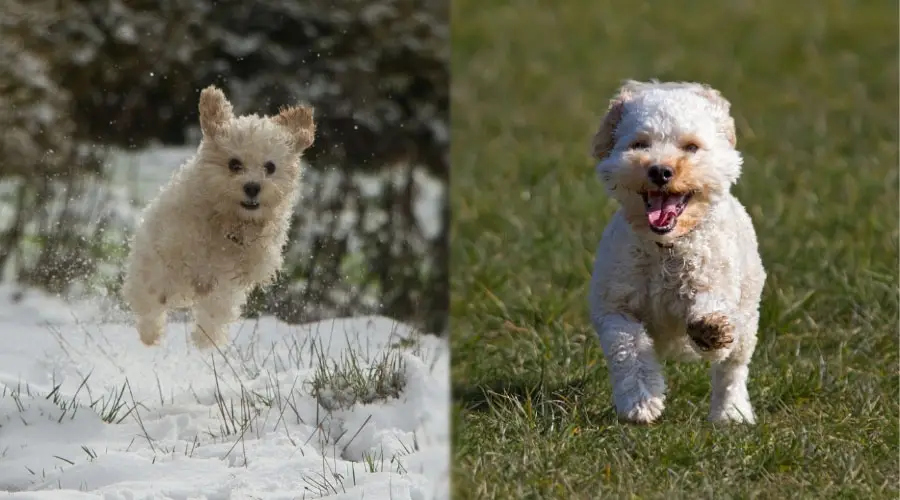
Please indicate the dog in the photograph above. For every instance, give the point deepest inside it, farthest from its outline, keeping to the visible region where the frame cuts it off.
(677, 273)
(218, 228)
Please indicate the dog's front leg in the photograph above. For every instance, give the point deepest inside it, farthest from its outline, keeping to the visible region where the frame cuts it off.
(637, 380)
(718, 331)
(730, 401)
(213, 313)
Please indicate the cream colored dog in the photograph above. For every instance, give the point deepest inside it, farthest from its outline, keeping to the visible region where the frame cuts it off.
(677, 272)
(217, 229)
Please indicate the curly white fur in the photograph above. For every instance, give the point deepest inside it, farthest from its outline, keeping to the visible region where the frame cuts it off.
(692, 292)
(208, 239)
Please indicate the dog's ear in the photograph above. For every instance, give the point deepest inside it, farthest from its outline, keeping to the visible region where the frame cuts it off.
(215, 111)
(604, 139)
(724, 107)
(299, 121)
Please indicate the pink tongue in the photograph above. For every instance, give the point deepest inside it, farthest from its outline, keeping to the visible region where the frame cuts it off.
(662, 208)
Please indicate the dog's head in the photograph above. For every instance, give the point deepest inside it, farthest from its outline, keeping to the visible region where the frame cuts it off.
(249, 166)
(666, 152)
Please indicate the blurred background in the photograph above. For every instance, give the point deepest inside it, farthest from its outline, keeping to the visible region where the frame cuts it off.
(98, 106)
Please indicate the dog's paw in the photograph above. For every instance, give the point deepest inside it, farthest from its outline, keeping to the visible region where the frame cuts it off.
(735, 413)
(151, 329)
(711, 332)
(644, 411)
(205, 339)
(149, 340)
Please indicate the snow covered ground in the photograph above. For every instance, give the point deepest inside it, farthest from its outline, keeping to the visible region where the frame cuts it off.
(352, 408)
(286, 412)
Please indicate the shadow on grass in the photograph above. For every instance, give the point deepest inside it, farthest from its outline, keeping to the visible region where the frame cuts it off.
(478, 398)
(574, 396)
(581, 396)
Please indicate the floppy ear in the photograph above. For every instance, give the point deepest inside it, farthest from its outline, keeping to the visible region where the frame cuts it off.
(299, 121)
(726, 125)
(604, 139)
(215, 111)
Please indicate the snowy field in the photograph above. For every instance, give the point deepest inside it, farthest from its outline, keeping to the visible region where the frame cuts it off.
(286, 412)
(351, 409)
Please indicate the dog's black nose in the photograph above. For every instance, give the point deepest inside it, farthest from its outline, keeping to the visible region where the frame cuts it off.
(252, 189)
(660, 174)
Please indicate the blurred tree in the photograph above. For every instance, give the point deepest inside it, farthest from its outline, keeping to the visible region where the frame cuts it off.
(39, 148)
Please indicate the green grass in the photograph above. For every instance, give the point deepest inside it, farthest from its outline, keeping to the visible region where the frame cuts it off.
(814, 91)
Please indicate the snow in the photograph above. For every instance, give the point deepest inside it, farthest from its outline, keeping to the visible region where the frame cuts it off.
(88, 412)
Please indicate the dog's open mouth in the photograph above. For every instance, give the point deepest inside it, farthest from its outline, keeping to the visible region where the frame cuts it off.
(250, 204)
(663, 209)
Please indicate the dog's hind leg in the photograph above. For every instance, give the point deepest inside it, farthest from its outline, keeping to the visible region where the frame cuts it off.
(636, 375)
(149, 307)
(151, 327)
(213, 313)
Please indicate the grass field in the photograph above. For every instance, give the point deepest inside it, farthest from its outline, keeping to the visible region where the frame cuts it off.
(814, 90)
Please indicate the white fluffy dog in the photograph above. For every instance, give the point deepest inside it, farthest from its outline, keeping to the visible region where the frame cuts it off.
(677, 272)
(217, 229)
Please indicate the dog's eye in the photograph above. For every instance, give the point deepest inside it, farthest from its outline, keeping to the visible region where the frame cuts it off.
(640, 144)
(690, 147)
(235, 165)
(270, 167)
